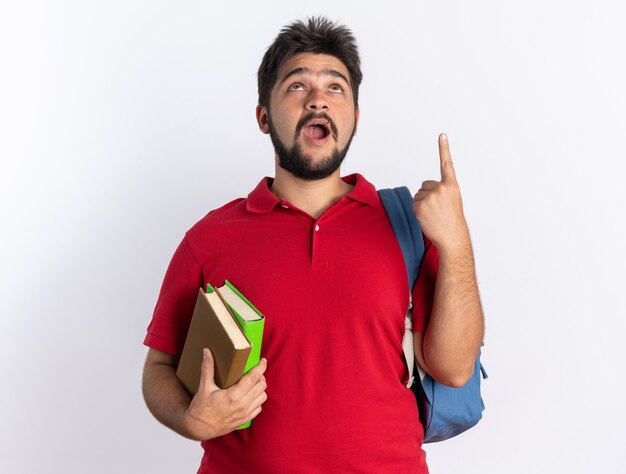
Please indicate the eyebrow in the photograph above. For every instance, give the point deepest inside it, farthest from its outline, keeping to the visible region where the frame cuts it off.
(306, 70)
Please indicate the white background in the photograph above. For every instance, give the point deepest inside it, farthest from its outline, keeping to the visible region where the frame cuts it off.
(124, 122)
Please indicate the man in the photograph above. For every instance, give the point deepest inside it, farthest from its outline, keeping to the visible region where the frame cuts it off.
(317, 255)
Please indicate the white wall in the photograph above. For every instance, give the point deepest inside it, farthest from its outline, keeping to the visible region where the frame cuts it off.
(123, 122)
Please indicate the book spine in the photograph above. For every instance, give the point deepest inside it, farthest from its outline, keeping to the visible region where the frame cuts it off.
(236, 368)
(254, 332)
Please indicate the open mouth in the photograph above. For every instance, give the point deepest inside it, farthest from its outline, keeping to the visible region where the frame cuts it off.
(317, 130)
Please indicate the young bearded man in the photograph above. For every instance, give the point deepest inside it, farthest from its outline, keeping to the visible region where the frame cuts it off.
(316, 254)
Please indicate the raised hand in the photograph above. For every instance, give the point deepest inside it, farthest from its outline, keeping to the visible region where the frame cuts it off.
(438, 205)
(215, 412)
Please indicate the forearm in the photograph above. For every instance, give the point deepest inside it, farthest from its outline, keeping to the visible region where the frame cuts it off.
(455, 330)
(165, 397)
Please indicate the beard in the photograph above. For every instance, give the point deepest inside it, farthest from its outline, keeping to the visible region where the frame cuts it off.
(301, 165)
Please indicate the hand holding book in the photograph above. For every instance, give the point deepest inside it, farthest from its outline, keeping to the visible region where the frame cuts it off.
(228, 324)
(215, 412)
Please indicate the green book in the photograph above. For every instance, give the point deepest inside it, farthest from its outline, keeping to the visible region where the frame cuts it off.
(251, 321)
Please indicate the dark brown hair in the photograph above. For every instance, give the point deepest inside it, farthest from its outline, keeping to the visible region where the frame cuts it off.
(318, 35)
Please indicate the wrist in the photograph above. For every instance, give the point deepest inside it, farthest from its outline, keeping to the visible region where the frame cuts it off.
(458, 244)
(192, 428)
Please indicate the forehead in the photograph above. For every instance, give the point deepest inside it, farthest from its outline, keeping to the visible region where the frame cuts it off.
(317, 64)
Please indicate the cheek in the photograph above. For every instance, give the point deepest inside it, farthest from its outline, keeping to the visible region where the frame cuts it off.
(348, 127)
(283, 127)
(276, 117)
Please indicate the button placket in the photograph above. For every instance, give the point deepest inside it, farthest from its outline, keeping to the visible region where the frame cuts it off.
(314, 241)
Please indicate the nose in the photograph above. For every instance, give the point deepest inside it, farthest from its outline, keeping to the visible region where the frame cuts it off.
(316, 100)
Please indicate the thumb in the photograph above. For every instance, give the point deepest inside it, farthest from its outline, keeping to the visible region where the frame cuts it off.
(207, 372)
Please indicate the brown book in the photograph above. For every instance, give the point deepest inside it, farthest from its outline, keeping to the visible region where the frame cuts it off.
(213, 326)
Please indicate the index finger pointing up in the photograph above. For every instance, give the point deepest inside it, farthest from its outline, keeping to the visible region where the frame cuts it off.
(447, 168)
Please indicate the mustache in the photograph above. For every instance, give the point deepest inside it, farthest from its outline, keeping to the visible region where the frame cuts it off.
(316, 115)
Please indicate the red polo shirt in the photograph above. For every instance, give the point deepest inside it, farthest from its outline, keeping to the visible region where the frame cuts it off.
(334, 292)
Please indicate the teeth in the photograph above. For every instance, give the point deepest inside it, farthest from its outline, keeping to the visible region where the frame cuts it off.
(323, 125)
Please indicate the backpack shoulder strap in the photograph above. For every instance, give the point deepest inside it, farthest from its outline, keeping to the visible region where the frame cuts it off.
(398, 203)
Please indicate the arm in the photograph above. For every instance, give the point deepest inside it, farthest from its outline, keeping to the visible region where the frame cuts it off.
(212, 412)
(447, 350)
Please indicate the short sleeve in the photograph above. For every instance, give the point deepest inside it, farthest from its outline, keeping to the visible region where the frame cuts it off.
(424, 288)
(172, 315)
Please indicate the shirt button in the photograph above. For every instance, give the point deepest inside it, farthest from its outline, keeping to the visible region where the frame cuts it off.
(317, 227)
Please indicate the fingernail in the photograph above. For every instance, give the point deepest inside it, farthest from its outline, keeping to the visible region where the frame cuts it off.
(444, 137)
(204, 354)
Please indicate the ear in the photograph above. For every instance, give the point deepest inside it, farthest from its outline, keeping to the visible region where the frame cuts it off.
(262, 120)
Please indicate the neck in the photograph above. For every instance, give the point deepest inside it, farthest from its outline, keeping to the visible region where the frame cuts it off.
(313, 197)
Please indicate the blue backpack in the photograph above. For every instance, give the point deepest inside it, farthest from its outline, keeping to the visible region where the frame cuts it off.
(444, 411)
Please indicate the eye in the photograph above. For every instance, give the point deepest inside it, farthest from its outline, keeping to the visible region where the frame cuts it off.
(336, 88)
(296, 86)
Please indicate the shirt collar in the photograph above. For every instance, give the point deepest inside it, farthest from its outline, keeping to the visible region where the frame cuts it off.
(261, 200)
(363, 190)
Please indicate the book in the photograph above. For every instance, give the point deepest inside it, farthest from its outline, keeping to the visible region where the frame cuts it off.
(213, 326)
(251, 321)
